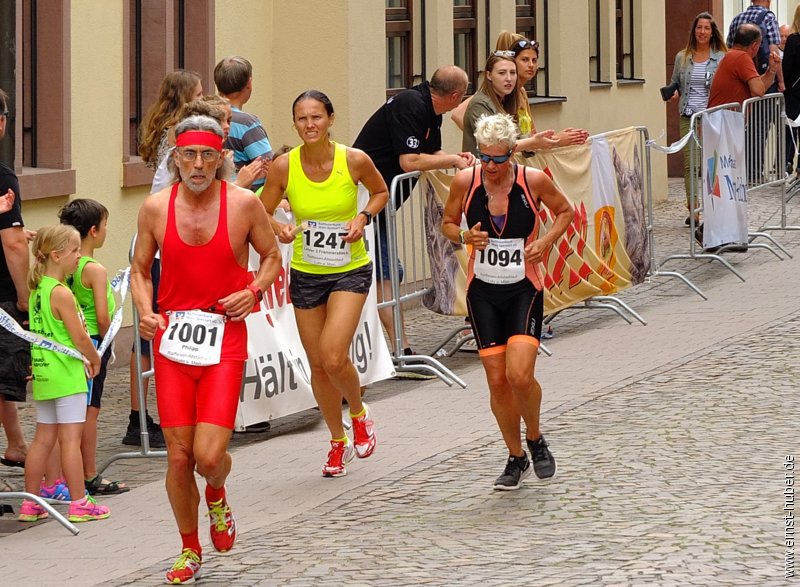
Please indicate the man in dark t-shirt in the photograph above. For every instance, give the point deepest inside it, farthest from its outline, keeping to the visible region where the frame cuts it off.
(405, 135)
(15, 358)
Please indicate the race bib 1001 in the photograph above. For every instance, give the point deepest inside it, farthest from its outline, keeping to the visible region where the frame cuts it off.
(323, 244)
(501, 262)
(193, 337)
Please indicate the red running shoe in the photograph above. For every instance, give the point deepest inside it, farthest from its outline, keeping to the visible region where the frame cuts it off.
(223, 526)
(186, 569)
(363, 435)
(340, 454)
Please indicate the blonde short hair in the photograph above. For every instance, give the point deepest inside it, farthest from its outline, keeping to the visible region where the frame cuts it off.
(496, 129)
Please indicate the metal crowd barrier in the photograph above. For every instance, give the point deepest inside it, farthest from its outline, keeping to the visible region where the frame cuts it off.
(404, 234)
(765, 148)
(145, 452)
(768, 113)
(46, 504)
(761, 118)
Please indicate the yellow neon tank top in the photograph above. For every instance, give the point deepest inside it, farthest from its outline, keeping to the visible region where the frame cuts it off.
(334, 200)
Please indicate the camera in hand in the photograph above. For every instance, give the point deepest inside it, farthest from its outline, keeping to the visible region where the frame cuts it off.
(667, 91)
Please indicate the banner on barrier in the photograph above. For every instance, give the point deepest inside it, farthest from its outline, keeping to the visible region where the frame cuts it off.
(724, 179)
(277, 378)
(604, 250)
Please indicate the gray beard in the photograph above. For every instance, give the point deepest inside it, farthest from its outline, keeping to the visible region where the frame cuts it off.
(197, 189)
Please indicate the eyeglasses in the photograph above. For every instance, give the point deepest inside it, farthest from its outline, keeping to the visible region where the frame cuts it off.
(504, 54)
(524, 44)
(498, 160)
(190, 155)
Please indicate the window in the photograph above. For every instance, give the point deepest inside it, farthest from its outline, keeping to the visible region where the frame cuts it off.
(34, 72)
(532, 22)
(399, 57)
(162, 36)
(624, 25)
(598, 42)
(465, 39)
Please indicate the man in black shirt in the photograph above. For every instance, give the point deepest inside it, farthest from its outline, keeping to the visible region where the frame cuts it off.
(405, 135)
(15, 358)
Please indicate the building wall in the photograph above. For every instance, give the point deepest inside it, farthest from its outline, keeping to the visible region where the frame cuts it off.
(338, 48)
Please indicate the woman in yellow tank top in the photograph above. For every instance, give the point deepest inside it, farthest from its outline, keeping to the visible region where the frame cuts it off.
(331, 273)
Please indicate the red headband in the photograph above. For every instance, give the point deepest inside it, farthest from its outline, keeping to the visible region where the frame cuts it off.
(199, 137)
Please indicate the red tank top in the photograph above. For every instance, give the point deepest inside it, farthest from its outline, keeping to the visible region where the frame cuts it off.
(197, 277)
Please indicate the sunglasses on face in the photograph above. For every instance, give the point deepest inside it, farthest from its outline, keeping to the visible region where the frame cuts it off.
(498, 160)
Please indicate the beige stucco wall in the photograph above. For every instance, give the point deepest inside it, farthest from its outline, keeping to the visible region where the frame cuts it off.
(337, 48)
(96, 120)
(596, 109)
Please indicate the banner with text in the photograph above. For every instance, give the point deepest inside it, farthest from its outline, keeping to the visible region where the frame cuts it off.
(724, 179)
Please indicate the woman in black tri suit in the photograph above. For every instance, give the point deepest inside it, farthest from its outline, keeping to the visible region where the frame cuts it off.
(500, 201)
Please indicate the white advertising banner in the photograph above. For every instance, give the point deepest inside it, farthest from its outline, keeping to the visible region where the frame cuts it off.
(724, 179)
(277, 376)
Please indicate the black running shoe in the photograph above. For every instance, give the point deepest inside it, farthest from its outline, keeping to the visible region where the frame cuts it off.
(517, 469)
(544, 465)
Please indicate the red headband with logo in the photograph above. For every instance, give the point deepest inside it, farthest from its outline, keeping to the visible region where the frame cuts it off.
(199, 137)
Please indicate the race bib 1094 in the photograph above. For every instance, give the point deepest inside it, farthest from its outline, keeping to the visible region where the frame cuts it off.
(501, 262)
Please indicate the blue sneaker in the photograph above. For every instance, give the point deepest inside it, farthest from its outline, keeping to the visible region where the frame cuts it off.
(58, 491)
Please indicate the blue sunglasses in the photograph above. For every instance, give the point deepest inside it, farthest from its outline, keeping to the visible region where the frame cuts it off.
(497, 160)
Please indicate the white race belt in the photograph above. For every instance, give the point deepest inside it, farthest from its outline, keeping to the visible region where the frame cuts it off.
(193, 337)
(501, 262)
(323, 244)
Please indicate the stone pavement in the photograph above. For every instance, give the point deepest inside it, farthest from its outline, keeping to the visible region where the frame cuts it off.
(670, 440)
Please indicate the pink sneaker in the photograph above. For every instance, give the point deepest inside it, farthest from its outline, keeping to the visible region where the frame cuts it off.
(31, 512)
(363, 435)
(87, 510)
(340, 454)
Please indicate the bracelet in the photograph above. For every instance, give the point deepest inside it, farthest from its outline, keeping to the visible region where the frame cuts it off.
(461, 237)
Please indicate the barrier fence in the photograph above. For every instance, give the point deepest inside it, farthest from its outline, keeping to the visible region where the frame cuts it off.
(145, 451)
(763, 140)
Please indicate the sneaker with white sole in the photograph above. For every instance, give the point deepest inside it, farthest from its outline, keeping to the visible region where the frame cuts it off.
(517, 469)
(186, 569)
(544, 464)
(340, 454)
(363, 434)
(223, 525)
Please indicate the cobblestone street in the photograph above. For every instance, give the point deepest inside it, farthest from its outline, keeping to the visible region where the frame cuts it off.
(670, 440)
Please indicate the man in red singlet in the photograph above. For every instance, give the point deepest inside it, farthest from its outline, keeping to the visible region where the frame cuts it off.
(202, 225)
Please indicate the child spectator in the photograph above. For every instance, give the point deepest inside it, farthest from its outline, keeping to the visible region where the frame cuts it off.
(96, 300)
(59, 381)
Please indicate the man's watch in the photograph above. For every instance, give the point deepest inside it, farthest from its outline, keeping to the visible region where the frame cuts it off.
(367, 214)
(259, 295)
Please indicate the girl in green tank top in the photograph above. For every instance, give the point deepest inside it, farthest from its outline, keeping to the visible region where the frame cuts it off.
(95, 297)
(59, 381)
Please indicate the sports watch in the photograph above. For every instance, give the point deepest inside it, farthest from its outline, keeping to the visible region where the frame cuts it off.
(367, 214)
(259, 295)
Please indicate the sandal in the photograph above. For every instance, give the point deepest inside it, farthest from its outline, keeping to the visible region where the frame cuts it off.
(100, 486)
